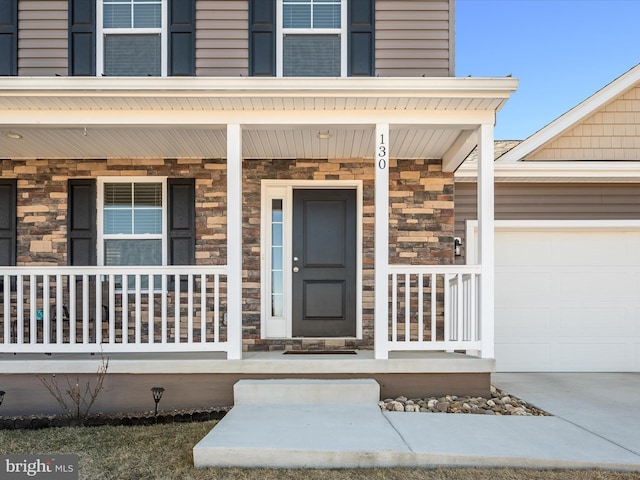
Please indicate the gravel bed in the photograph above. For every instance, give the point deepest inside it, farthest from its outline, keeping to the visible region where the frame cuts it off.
(500, 403)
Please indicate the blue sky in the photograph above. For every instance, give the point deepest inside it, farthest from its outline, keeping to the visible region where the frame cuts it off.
(562, 51)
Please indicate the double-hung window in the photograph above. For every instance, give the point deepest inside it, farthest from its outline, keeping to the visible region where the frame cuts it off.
(132, 38)
(312, 38)
(132, 228)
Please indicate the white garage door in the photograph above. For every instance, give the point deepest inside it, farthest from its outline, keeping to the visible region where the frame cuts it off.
(567, 299)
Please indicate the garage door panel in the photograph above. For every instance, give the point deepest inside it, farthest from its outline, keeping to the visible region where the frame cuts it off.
(522, 357)
(563, 303)
(590, 322)
(634, 327)
(577, 285)
(635, 356)
(586, 248)
(629, 250)
(518, 322)
(524, 288)
(512, 244)
(588, 357)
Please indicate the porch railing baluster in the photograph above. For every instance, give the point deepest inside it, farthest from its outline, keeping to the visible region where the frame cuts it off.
(420, 307)
(46, 321)
(203, 308)
(85, 309)
(216, 308)
(459, 309)
(7, 308)
(163, 339)
(60, 310)
(72, 308)
(190, 309)
(176, 304)
(151, 307)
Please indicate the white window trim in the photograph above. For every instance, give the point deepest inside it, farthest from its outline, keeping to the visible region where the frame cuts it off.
(100, 213)
(342, 31)
(281, 328)
(101, 31)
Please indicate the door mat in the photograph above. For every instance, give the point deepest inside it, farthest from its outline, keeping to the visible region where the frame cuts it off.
(320, 352)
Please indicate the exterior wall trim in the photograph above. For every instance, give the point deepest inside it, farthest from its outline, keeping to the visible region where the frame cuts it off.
(557, 171)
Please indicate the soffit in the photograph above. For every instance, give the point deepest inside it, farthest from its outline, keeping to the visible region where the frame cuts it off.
(165, 117)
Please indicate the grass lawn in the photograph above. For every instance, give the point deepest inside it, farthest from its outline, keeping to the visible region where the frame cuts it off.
(164, 452)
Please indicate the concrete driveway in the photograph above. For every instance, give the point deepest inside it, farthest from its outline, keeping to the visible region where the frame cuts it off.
(604, 404)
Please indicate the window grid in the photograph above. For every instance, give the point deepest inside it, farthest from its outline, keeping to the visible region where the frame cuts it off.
(132, 222)
(137, 30)
(305, 46)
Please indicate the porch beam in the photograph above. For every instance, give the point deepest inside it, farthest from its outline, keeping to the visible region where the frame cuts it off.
(78, 118)
(460, 149)
(486, 241)
(381, 315)
(234, 241)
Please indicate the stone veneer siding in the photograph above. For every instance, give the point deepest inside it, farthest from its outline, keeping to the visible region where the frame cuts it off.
(421, 230)
(42, 202)
(421, 218)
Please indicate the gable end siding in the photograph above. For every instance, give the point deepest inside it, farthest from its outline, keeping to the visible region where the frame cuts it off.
(611, 133)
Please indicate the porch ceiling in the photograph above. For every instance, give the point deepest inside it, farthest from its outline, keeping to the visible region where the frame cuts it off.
(281, 118)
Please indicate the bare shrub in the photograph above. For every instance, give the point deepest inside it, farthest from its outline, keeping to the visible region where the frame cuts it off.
(74, 398)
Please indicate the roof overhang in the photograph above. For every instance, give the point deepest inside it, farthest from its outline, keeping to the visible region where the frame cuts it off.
(110, 117)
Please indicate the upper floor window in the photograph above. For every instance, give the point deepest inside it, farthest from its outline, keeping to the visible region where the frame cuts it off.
(312, 38)
(131, 38)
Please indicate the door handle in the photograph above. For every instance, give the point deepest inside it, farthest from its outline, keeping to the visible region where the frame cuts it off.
(295, 259)
(296, 269)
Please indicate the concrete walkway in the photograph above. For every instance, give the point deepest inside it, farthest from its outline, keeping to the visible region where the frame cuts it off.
(350, 431)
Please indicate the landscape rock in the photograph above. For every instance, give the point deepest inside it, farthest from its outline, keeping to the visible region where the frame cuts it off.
(500, 403)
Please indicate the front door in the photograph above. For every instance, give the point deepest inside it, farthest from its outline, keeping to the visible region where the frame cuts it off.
(324, 263)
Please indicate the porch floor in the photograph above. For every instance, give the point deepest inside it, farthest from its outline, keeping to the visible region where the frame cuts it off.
(263, 363)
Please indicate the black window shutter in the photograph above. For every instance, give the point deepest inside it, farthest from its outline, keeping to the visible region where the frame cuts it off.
(8, 194)
(361, 23)
(81, 222)
(82, 37)
(182, 37)
(8, 37)
(181, 221)
(262, 38)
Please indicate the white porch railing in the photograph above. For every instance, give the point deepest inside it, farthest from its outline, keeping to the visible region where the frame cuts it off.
(434, 308)
(113, 309)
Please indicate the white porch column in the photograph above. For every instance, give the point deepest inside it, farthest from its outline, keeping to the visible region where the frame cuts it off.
(486, 241)
(234, 241)
(381, 315)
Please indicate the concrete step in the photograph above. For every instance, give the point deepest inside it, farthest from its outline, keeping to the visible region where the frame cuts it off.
(300, 391)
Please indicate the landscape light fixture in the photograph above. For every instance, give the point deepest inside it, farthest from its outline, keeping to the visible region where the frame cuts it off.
(157, 395)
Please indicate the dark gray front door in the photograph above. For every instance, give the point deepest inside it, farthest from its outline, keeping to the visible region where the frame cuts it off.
(324, 263)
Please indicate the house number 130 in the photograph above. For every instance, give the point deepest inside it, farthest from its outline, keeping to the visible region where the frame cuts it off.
(383, 153)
